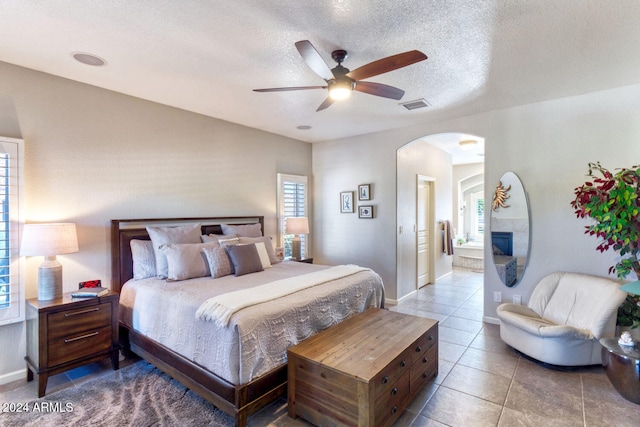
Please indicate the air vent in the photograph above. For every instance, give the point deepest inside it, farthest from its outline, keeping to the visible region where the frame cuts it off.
(414, 105)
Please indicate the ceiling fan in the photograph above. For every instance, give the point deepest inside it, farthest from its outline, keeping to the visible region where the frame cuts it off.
(341, 82)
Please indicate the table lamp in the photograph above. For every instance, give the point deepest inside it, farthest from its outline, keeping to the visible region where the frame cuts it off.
(297, 225)
(49, 240)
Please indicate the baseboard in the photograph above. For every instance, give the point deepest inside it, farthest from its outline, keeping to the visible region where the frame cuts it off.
(444, 275)
(388, 301)
(13, 376)
(491, 320)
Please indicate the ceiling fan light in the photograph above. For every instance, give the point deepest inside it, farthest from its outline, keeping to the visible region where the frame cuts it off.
(340, 90)
(467, 144)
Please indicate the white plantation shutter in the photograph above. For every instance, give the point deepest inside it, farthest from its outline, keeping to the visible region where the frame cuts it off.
(292, 202)
(11, 285)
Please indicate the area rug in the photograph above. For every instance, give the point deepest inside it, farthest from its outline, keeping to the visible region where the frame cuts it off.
(138, 395)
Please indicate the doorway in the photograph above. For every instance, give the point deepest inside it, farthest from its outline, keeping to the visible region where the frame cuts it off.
(425, 242)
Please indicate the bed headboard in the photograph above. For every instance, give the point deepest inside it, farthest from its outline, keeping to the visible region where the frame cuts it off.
(125, 230)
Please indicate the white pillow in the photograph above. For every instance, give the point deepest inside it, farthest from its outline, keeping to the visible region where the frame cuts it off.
(263, 254)
(186, 260)
(267, 244)
(215, 237)
(164, 235)
(144, 259)
(244, 230)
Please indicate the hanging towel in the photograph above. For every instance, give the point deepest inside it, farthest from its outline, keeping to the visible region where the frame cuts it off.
(447, 244)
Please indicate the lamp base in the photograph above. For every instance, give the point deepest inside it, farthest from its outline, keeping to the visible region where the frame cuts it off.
(295, 248)
(49, 279)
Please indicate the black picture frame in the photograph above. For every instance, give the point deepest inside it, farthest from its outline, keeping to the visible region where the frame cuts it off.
(365, 211)
(364, 192)
(346, 202)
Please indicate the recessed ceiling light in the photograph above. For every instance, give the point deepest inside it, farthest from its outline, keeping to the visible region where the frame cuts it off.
(303, 127)
(89, 59)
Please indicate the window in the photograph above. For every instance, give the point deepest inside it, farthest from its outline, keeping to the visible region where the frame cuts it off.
(478, 218)
(292, 201)
(11, 282)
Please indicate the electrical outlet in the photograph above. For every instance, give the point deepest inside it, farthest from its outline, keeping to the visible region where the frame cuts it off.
(497, 297)
(517, 299)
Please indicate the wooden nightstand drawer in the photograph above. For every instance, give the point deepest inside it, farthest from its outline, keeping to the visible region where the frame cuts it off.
(71, 322)
(75, 346)
(68, 332)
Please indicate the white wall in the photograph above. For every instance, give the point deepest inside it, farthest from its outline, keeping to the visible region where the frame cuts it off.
(548, 144)
(93, 155)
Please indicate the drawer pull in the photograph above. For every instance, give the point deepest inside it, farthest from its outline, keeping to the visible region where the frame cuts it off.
(403, 363)
(394, 391)
(424, 375)
(385, 380)
(418, 349)
(430, 337)
(82, 312)
(394, 409)
(425, 360)
(81, 337)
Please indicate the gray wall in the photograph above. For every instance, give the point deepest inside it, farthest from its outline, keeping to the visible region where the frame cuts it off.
(92, 155)
(547, 144)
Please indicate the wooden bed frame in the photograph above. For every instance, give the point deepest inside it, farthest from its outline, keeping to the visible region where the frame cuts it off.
(238, 401)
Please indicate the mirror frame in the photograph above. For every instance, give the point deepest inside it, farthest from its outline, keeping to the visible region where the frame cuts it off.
(510, 243)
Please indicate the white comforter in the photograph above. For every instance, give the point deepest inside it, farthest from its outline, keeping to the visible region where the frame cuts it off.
(256, 339)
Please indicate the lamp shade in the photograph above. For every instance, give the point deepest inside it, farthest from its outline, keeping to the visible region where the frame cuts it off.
(631, 287)
(49, 239)
(297, 225)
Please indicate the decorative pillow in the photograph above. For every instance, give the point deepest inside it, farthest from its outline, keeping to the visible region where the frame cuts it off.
(263, 254)
(144, 259)
(267, 243)
(245, 230)
(229, 242)
(164, 235)
(215, 237)
(245, 259)
(186, 260)
(219, 262)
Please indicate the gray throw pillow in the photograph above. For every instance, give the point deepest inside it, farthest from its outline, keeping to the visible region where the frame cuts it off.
(219, 262)
(245, 259)
(164, 235)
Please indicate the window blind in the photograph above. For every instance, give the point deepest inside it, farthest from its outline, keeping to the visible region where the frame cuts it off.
(11, 287)
(292, 194)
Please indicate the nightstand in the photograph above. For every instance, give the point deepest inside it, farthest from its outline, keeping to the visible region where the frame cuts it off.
(68, 332)
(305, 260)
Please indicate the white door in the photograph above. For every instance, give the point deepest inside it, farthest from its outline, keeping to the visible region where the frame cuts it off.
(424, 188)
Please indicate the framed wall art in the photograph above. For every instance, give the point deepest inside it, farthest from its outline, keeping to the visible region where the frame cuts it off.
(365, 211)
(346, 202)
(364, 192)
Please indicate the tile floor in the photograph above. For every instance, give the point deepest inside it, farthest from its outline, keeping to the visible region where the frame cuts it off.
(481, 382)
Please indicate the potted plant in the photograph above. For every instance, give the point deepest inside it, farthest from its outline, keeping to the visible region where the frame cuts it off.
(612, 201)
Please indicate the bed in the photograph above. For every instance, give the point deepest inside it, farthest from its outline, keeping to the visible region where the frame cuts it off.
(239, 366)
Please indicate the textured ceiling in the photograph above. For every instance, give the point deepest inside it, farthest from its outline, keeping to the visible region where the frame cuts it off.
(207, 56)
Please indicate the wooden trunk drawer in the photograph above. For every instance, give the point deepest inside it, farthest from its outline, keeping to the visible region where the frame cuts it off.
(423, 344)
(76, 346)
(71, 322)
(388, 377)
(422, 370)
(388, 407)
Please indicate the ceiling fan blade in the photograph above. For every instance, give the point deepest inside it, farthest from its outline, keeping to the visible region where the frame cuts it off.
(282, 89)
(327, 102)
(313, 59)
(387, 64)
(379, 89)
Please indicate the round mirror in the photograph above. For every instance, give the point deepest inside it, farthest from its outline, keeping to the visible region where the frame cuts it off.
(510, 230)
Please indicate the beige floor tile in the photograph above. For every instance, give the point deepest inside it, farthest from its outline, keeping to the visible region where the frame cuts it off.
(495, 363)
(454, 408)
(603, 404)
(492, 344)
(422, 421)
(541, 400)
(511, 418)
(444, 367)
(532, 373)
(455, 336)
(467, 325)
(466, 313)
(437, 308)
(478, 383)
(449, 351)
(490, 329)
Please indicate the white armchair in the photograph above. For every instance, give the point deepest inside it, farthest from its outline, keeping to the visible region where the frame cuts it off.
(566, 316)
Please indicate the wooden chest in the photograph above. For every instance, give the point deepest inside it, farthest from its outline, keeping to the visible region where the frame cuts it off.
(364, 371)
